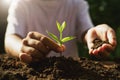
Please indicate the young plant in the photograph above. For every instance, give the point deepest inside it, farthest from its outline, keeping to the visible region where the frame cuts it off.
(60, 40)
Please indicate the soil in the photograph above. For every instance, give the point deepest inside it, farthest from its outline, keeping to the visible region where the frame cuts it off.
(101, 56)
(58, 68)
(98, 43)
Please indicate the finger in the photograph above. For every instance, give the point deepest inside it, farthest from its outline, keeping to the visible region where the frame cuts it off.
(46, 41)
(35, 35)
(95, 54)
(38, 45)
(90, 51)
(105, 50)
(90, 37)
(31, 51)
(111, 37)
(25, 57)
(107, 47)
(51, 44)
(101, 55)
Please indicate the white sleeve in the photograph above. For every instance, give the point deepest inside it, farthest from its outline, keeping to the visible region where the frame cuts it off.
(83, 18)
(16, 19)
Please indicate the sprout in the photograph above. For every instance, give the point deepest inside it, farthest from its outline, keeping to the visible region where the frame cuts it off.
(60, 40)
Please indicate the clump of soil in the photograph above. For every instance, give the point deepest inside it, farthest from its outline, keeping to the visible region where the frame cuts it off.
(98, 43)
(100, 55)
(57, 68)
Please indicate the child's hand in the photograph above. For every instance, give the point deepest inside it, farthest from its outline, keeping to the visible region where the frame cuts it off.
(104, 33)
(37, 46)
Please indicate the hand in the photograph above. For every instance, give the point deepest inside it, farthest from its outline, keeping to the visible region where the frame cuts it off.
(104, 33)
(37, 46)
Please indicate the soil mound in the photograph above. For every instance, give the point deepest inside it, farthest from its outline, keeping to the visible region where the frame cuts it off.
(58, 68)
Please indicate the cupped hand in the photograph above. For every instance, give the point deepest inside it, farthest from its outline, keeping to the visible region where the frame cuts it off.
(104, 33)
(36, 47)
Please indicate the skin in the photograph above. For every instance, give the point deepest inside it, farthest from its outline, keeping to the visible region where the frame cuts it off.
(33, 47)
(104, 33)
(36, 46)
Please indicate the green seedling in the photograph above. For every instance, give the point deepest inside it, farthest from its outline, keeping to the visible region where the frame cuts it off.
(60, 40)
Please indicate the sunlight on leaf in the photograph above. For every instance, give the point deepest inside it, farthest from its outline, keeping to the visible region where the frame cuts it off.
(63, 26)
(67, 39)
(54, 37)
(58, 26)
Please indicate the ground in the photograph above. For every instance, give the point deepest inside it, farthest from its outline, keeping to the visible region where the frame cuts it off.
(58, 68)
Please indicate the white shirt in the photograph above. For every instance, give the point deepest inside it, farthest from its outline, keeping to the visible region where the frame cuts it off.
(41, 15)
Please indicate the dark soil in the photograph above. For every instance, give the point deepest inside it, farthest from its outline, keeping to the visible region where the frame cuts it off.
(98, 43)
(100, 56)
(59, 68)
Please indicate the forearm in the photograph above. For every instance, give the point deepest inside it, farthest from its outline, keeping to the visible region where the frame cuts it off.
(13, 44)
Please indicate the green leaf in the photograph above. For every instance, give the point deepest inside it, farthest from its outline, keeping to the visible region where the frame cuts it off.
(63, 26)
(67, 39)
(54, 37)
(58, 26)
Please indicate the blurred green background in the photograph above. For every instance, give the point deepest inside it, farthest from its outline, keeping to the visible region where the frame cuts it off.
(101, 11)
(108, 12)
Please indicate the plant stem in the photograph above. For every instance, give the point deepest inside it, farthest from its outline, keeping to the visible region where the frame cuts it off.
(60, 36)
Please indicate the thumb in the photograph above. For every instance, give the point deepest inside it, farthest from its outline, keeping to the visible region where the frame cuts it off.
(89, 38)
